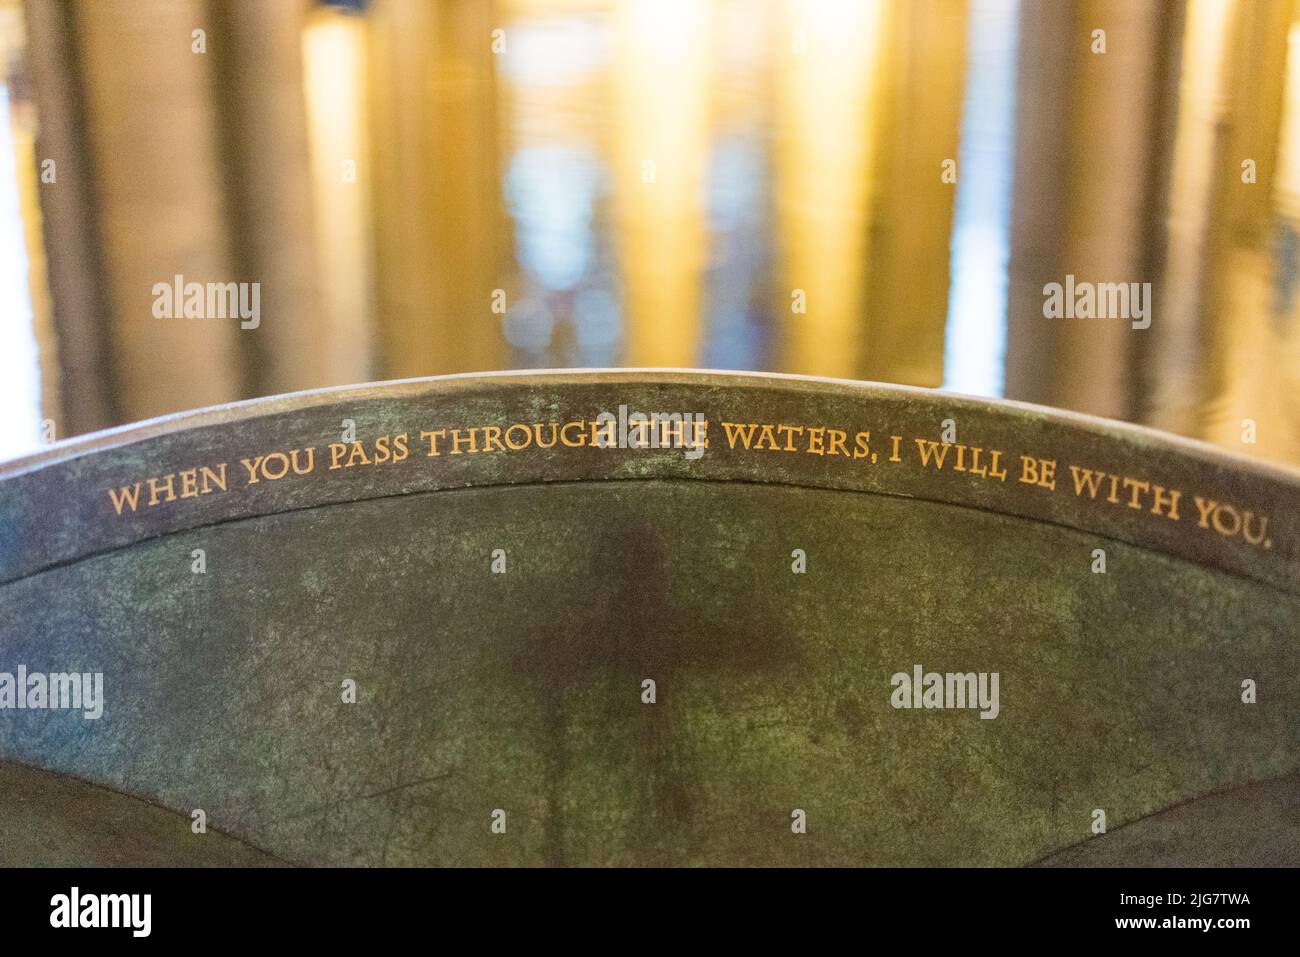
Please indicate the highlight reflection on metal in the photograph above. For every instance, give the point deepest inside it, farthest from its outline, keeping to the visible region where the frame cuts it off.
(467, 185)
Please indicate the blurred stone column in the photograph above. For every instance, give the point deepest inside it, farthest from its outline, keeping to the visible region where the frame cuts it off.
(158, 188)
(1279, 392)
(75, 263)
(337, 79)
(24, 166)
(440, 220)
(912, 210)
(660, 160)
(180, 153)
(256, 51)
(870, 108)
(827, 115)
(1220, 357)
(1090, 146)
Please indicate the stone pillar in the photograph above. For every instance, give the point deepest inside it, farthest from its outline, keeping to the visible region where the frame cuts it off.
(440, 221)
(1090, 143)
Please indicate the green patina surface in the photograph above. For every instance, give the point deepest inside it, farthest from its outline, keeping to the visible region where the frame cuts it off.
(522, 691)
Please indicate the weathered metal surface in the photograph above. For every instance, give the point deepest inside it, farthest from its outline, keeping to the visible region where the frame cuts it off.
(522, 691)
(1257, 825)
(58, 821)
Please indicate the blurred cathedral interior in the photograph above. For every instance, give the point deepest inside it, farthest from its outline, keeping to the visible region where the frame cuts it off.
(867, 189)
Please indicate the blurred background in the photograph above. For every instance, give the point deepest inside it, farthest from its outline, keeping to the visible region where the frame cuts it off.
(875, 189)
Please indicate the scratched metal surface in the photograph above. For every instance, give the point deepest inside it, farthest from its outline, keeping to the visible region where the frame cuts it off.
(522, 691)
